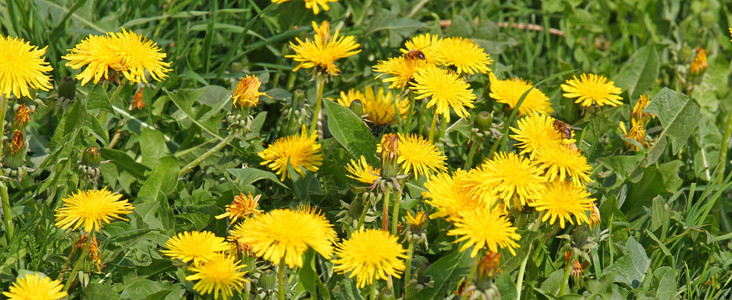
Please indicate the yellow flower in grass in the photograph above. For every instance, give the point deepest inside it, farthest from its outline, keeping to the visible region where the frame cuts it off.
(483, 227)
(22, 67)
(445, 89)
(419, 156)
(35, 287)
(637, 132)
(561, 163)
(220, 274)
(592, 89)
(312, 4)
(400, 70)
(426, 44)
(196, 246)
(464, 54)
(516, 180)
(322, 31)
(287, 234)
(535, 132)
(370, 255)
(361, 171)
(562, 200)
(246, 94)
(699, 63)
(638, 114)
(242, 207)
(379, 107)
(140, 55)
(299, 151)
(90, 208)
(98, 54)
(321, 53)
(450, 195)
(509, 92)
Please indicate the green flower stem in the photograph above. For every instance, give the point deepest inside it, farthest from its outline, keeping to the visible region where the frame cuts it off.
(3, 109)
(208, 154)
(395, 214)
(723, 150)
(410, 112)
(567, 269)
(84, 253)
(281, 279)
(372, 295)
(385, 221)
(522, 270)
(363, 216)
(7, 213)
(471, 276)
(471, 155)
(319, 86)
(408, 268)
(111, 100)
(432, 127)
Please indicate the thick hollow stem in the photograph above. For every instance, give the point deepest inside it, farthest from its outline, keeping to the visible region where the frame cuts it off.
(363, 216)
(408, 268)
(385, 219)
(372, 295)
(432, 127)
(3, 109)
(82, 256)
(281, 279)
(565, 279)
(319, 86)
(395, 214)
(7, 213)
(410, 112)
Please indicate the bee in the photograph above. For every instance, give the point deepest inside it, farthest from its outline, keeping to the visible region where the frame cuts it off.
(414, 54)
(567, 133)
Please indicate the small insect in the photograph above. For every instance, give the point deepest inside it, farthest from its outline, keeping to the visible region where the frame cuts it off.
(414, 54)
(567, 133)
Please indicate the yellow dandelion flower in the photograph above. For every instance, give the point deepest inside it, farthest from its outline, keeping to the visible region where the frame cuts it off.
(514, 179)
(22, 116)
(196, 246)
(400, 70)
(592, 89)
(483, 227)
(242, 207)
(36, 287)
(594, 216)
(561, 163)
(535, 132)
(322, 31)
(90, 208)
(638, 108)
(509, 92)
(417, 221)
(22, 66)
(99, 55)
(419, 156)
(379, 107)
(699, 63)
(637, 132)
(17, 142)
(287, 234)
(445, 89)
(299, 151)
(361, 171)
(450, 195)
(464, 54)
(370, 255)
(315, 5)
(246, 94)
(322, 54)
(562, 200)
(426, 44)
(140, 55)
(221, 273)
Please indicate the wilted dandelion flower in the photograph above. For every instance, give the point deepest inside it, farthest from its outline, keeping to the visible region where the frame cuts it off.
(311, 4)
(379, 107)
(509, 92)
(594, 216)
(322, 54)
(425, 43)
(449, 194)
(137, 100)
(370, 255)
(514, 179)
(483, 227)
(22, 67)
(287, 234)
(637, 132)
(699, 63)
(535, 132)
(299, 151)
(90, 208)
(445, 89)
(561, 163)
(35, 287)
(22, 116)
(592, 89)
(242, 207)
(221, 274)
(17, 142)
(419, 156)
(400, 70)
(562, 200)
(638, 108)
(246, 94)
(140, 55)
(361, 171)
(196, 246)
(464, 54)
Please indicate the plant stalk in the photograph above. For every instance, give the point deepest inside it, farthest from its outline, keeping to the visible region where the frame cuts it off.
(281, 279)
(372, 295)
(319, 86)
(432, 128)
(408, 268)
(208, 154)
(385, 221)
(363, 216)
(75, 270)
(7, 213)
(395, 214)
(565, 279)
(410, 112)
(3, 110)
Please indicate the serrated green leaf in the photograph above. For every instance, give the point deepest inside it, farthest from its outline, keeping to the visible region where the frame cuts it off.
(124, 162)
(97, 99)
(446, 272)
(152, 146)
(679, 116)
(248, 176)
(163, 178)
(631, 268)
(351, 132)
(639, 73)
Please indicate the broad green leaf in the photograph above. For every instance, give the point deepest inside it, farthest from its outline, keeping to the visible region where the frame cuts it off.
(639, 73)
(184, 99)
(152, 146)
(97, 99)
(446, 272)
(97, 290)
(248, 176)
(307, 274)
(303, 186)
(631, 268)
(622, 165)
(124, 162)
(350, 132)
(163, 178)
(679, 117)
(72, 121)
(666, 282)
(553, 282)
(96, 129)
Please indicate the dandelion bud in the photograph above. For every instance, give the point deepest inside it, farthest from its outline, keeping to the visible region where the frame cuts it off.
(483, 121)
(246, 94)
(594, 217)
(14, 153)
(91, 157)
(67, 88)
(389, 155)
(699, 63)
(418, 222)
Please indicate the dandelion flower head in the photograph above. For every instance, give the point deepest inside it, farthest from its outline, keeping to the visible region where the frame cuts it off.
(483, 227)
(35, 286)
(509, 92)
(561, 163)
(246, 94)
(221, 274)
(510, 177)
(450, 195)
(445, 90)
(315, 5)
(321, 53)
(91, 208)
(592, 89)
(378, 107)
(563, 200)
(299, 151)
(242, 207)
(419, 156)
(361, 171)
(535, 132)
(22, 67)
(425, 43)
(370, 255)
(463, 54)
(196, 246)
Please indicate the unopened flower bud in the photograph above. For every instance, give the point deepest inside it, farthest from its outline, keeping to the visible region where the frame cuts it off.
(67, 88)
(91, 157)
(483, 121)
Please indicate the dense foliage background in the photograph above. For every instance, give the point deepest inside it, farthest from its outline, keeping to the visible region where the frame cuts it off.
(666, 211)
